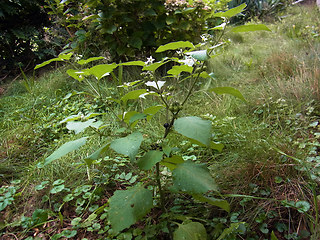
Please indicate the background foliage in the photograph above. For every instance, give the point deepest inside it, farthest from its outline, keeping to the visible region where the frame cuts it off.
(22, 35)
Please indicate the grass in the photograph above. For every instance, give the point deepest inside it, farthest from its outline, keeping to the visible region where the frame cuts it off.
(277, 72)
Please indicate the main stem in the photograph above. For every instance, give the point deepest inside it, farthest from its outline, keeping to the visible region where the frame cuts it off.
(162, 199)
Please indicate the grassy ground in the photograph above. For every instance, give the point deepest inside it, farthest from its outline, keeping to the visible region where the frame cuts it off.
(270, 154)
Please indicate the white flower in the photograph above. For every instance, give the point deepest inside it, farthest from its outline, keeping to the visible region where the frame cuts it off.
(190, 61)
(155, 84)
(179, 52)
(204, 38)
(149, 60)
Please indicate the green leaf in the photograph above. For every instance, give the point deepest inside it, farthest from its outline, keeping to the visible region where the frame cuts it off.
(273, 236)
(65, 149)
(133, 63)
(228, 90)
(135, 42)
(302, 206)
(216, 146)
(58, 182)
(190, 231)
(111, 29)
(193, 178)
(136, 117)
(231, 12)
(201, 55)
(194, 128)
(82, 62)
(47, 62)
(78, 74)
(102, 70)
(150, 111)
(39, 216)
(172, 162)
(154, 66)
(204, 75)
(150, 159)
(69, 233)
(133, 95)
(61, 57)
(66, 56)
(128, 145)
(233, 229)
(174, 46)
(176, 70)
(129, 206)
(213, 201)
(264, 228)
(79, 127)
(97, 154)
(250, 28)
(57, 189)
(68, 198)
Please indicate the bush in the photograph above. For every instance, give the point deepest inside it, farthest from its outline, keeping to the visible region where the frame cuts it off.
(127, 28)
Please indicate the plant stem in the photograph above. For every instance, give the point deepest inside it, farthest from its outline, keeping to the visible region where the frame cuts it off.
(162, 199)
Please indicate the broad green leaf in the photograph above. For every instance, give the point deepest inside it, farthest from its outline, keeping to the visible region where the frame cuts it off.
(205, 75)
(133, 63)
(66, 56)
(39, 216)
(201, 55)
(149, 159)
(136, 117)
(96, 155)
(128, 145)
(60, 58)
(48, 62)
(129, 206)
(250, 28)
(175, 45)
(128, 115)
(135, 94)
(231, 12)
(65, 149)
(153, 66)
(82, 62)
(78, 74)
(172, 162)
(213, 201)
(79, 127)
(228, 90)
(193, 178)
(150, 111)
(190, 231)
(176, 70)
(102, 70)
(194, 128)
